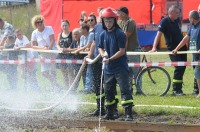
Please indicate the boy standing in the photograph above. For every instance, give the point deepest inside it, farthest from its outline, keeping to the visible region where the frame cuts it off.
(113, 41)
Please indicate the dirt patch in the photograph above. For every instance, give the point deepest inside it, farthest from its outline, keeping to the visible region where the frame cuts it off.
(59, 120)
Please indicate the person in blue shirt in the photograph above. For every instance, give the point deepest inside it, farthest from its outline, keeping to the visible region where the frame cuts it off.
(193, 37)
(170, 27)
(112, 48)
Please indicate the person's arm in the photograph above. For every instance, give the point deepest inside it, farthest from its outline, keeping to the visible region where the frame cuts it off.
(58, 42)
(82, 48)
(3, 41)
(92, 48)
(52, 41)
(101, 51)
(184, 41)
(156, 41)
(131, 26)
(34, 45)
(118, 54)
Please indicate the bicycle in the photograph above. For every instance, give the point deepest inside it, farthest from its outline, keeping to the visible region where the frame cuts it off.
(152, 80)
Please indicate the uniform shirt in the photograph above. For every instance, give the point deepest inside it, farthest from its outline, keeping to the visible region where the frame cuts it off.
(130, 26)
(172, 33)
(7, 30)
(194, 33)
(98, 29)
(111, 42)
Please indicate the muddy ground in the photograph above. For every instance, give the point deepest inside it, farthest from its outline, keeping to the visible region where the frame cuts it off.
(58, 120)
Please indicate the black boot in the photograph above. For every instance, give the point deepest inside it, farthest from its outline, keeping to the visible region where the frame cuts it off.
(109, 113)
(115, 111)
(128, 113)
(196, 90)
(102, 109)
(177, 89)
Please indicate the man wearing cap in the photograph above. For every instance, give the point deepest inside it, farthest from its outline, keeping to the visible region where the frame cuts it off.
(128, 25)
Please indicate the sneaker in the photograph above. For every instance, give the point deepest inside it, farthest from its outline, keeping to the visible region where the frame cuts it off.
(138, 93)
(178, 93)
(195, 92)
(86, 91)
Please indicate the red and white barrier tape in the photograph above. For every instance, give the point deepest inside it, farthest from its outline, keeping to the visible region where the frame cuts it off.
(55, 61)
(12, 61)
(81, 61)
(164, 64)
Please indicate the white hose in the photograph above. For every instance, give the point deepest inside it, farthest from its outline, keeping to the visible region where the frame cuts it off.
(66, 94)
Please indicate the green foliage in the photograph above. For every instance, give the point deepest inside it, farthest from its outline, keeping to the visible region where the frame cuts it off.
(20, 16)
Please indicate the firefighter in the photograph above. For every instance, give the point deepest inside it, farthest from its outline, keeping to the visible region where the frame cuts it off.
(113, 42)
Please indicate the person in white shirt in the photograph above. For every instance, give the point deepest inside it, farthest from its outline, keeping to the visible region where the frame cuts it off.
(43, 38)
(23, 42)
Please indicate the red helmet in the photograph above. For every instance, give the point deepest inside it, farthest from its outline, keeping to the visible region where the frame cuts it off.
(109, 12)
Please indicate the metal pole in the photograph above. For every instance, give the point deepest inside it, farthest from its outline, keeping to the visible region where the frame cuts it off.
(151, 18)
(28, 19)
(25, 71)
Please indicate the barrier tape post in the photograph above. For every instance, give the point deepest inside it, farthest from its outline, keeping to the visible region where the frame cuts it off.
(25, 71)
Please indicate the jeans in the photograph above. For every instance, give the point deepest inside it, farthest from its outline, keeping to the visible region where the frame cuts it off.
(89, 78)
(133, 71)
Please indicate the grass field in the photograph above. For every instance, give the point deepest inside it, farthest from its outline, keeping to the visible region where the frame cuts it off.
(20, 20)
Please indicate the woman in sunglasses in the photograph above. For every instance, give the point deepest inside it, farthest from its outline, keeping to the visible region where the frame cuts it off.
(43, 38)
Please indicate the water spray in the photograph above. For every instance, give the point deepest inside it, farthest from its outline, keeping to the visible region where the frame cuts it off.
(90, 61)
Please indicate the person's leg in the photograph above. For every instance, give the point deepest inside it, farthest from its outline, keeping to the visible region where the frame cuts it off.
(89, 80)
(133, 71)
(178, 74)
(12, 76)
(109, 81)
(197, 76)
(64, 72)
(97, 73)
(49, 72)
(126, 95)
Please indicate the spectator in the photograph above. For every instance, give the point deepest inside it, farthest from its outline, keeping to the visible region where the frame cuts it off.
(23, 42)
(63, 42)
(85, 43)
(170, 27)
(194, 42)
(83, 18)
(113, 41)
(96, 70)
(99, 11)
(128, 25)
(74, 46)
(11, 69)
(196, 89)
(43, 39)
(6, 30)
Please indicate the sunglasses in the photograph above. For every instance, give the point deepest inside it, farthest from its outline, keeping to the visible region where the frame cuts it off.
(38, 22)
(90, 20)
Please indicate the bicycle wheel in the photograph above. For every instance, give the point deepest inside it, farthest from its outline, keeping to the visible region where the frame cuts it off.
(153, 80)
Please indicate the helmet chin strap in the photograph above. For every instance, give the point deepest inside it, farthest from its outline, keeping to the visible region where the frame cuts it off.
(112, 28)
